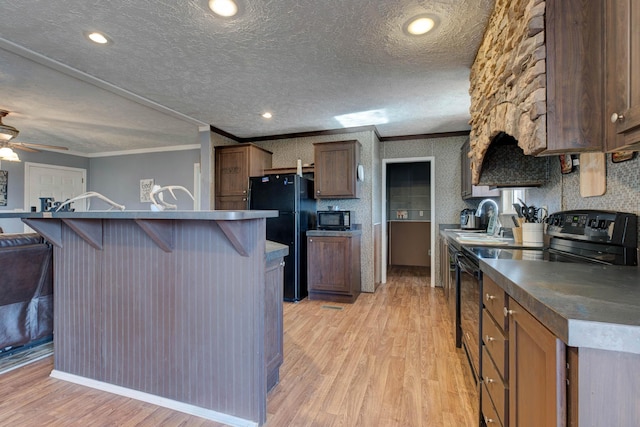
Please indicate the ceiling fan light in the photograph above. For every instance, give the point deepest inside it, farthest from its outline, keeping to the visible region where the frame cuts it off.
(7, 133)
(8, 154)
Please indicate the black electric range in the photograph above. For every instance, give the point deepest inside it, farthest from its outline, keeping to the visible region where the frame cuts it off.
(582, 236)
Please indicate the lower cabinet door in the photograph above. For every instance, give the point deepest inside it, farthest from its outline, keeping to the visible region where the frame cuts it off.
(537, 372)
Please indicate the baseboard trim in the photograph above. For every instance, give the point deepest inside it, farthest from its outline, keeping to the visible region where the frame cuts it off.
(155, 400)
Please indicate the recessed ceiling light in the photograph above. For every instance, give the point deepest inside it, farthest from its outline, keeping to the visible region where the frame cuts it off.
(224, 8)
(97, 37)
(420, 25)
(267, 115)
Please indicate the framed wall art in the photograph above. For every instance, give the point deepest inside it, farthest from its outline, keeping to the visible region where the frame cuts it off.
(4, 175)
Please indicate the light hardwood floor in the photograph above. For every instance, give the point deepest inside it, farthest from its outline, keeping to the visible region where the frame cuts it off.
(387, 360)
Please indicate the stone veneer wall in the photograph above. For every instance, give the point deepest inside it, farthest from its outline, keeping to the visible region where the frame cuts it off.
(508, 80)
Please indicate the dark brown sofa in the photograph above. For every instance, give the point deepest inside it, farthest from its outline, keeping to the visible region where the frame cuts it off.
(26, 290)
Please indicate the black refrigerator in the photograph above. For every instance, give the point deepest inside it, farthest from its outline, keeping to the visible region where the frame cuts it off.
(292, 196)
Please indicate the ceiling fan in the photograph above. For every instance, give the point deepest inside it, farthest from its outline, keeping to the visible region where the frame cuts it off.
(7, 133)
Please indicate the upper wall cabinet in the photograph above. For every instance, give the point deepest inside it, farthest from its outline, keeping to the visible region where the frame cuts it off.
(575, 85)
(336, 170)
(234, 164)
(622, 60)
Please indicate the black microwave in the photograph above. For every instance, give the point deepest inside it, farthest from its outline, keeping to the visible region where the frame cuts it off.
(334, 220)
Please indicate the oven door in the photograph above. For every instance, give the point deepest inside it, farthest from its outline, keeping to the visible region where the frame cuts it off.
(469, 282)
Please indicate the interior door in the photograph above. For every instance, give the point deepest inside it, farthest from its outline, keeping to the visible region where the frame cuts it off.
(60, 183)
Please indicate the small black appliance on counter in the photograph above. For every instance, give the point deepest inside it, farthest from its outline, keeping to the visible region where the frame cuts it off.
(334, 220)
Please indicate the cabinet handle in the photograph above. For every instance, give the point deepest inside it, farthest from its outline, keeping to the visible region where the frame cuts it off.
(310, 240)
(490, 297)
(489, 380)
(507, 312)
(489, 339)
(318, 192)
(488, 420)
(244, 191)
(615, 117)
(282, 264)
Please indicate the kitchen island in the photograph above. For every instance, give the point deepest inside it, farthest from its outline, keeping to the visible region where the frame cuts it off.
(166, 307)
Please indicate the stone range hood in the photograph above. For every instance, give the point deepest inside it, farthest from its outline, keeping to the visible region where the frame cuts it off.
(506, 165)
(508, 96)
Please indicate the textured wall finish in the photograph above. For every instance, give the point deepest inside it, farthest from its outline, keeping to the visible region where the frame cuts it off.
(508, 80)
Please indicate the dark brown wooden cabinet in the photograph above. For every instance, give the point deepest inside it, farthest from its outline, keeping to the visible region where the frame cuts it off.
(537, 372)
(273, 344)
(523, 365)
(575, 76)
(336, 170)
(333, 266)
(467, 189)
(494, 364)
(622, 61)
(234, 164)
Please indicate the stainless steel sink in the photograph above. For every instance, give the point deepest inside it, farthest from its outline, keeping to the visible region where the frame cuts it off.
(481, 239)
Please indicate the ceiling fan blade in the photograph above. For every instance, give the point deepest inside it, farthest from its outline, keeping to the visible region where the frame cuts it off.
(23, 148)
(33, 145)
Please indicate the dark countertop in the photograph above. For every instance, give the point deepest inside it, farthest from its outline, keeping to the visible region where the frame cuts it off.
(331, 233)
(113, 214)
(451, 234)
(275, 250)
(585, 305)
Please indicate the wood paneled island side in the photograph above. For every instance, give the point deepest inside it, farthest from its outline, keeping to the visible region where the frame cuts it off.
(167, 307)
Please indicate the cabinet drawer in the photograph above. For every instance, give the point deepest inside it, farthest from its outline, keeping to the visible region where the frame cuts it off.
(496, 389)
(489, 413)
(495, 342)
(494, 301)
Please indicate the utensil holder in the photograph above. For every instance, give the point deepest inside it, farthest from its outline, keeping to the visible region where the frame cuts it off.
(532, 233)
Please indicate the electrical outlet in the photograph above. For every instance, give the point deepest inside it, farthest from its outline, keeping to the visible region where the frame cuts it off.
(421, 213)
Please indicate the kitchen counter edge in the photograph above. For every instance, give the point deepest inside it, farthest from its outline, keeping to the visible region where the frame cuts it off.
(215, 215)
(584, 305)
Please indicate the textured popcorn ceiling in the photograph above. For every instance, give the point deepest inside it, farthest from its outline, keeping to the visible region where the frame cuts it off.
(180, 66)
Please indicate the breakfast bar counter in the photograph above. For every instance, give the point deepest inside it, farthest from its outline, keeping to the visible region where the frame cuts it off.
(166, 307)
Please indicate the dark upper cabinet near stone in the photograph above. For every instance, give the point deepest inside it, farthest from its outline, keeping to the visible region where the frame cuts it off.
(575, 82)
(622, 60)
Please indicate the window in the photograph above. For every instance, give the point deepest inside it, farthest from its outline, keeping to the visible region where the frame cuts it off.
(511, 196)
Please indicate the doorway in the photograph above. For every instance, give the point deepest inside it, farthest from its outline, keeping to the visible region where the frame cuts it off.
(407, 212)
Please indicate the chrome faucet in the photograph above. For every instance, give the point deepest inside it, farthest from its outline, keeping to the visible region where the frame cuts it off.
(495, 213)
(482, 203)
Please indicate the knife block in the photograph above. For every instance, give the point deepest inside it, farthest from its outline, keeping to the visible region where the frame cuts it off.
(517, 234)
